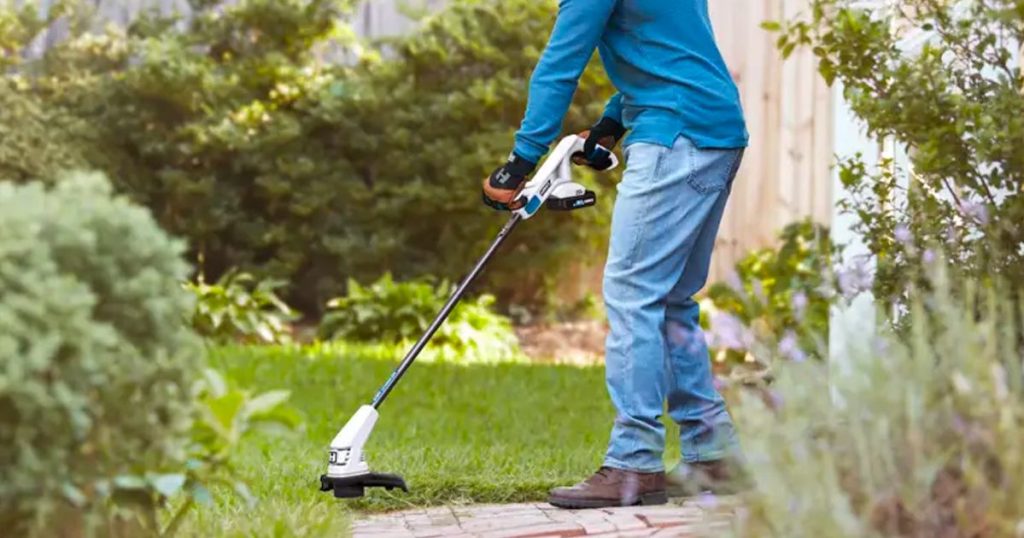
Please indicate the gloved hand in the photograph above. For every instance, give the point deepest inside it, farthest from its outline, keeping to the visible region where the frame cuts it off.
(605, 132)
(501, 189)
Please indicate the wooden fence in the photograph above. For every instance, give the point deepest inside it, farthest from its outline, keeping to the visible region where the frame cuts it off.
(785, 174)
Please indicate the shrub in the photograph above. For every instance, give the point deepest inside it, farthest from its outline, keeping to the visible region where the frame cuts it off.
(431, 120)
(391, 312)
(244, 141)
(953, 105)
(782, 294)
(238, 307)
(919, 435)
(38, 141)
(95, 360)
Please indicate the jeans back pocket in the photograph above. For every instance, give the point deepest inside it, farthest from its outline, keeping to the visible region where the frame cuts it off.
(713, 170)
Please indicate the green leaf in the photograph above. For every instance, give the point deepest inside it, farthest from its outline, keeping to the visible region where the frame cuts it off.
(201, 494)
(167, 485)
(214, 382)
(266, 402)
(130, 482)
(73, 494)
(242, 490)
(227, 408)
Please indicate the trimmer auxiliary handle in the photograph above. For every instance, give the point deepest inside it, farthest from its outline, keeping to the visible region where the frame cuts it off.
(347, 472)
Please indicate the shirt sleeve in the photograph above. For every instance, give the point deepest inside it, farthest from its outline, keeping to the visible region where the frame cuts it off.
(613, 109)
(577, 30)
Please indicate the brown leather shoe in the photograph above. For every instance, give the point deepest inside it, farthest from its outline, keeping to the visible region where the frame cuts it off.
(612, 487)
(719, 477)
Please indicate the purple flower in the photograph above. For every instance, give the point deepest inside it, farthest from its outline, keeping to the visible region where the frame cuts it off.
(857, 277)
(789, 347)
(707, 501)
(974, 211)
(727, 331)
(775, 400)
(951, 234)
(759, 291)
(799, 303)
(928, 256)
(903, 235)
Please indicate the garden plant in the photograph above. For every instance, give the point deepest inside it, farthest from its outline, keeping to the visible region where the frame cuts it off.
(942, 82)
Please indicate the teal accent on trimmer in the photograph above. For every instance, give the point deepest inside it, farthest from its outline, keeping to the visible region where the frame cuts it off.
(533, 205)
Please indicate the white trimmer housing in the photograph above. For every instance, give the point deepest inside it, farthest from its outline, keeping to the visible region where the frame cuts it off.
(347, 457)
(554, 179)
(348, 475)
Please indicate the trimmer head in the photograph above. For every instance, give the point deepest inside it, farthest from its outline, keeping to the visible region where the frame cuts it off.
(354, 486)
(348, 475)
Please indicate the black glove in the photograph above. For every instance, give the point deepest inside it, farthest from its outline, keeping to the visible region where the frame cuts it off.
(501, 189)
(605, 132)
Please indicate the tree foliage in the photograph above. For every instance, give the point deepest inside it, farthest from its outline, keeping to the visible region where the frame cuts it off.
(943, 81)
(263, 133)
(38, 141)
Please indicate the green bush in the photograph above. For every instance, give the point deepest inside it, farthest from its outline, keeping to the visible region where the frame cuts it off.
(244, 141)
(95, 360)
(392, 312)
(918, 435)
(781, 294)
(431, 120)
(238, 307)
(952, 103)
(38, 141)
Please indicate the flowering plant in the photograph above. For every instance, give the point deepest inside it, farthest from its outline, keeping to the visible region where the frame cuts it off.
(775, 298)
(942, 82)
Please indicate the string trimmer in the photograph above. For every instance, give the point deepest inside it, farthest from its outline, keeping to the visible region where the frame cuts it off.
(348, 474)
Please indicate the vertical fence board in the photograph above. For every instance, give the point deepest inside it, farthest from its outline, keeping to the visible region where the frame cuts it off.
(785, 173)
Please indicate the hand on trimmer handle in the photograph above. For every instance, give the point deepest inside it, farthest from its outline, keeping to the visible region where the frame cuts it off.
(507, 188)
(501, 188)
(599, 142)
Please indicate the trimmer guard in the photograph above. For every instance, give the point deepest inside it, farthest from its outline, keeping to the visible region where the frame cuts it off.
(347, 487)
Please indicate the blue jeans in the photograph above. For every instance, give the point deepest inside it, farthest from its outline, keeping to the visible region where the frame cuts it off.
(666, 216)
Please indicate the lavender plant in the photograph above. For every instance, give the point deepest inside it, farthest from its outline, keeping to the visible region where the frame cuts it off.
(919, 435)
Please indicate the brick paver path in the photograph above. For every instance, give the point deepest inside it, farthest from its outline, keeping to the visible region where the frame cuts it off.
(690, 519)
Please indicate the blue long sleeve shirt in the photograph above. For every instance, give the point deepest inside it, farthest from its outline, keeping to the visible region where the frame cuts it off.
(662, 58)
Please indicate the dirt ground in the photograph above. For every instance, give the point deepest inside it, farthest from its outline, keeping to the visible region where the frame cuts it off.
(577, 342)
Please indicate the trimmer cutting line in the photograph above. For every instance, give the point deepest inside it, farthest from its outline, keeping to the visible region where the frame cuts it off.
(348, 474)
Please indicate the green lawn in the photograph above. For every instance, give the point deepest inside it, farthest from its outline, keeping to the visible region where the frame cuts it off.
(458, 434)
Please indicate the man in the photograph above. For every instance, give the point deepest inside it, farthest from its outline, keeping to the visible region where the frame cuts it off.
(687, 140)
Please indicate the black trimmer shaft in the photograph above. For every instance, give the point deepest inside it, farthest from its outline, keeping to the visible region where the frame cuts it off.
(443, 314)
